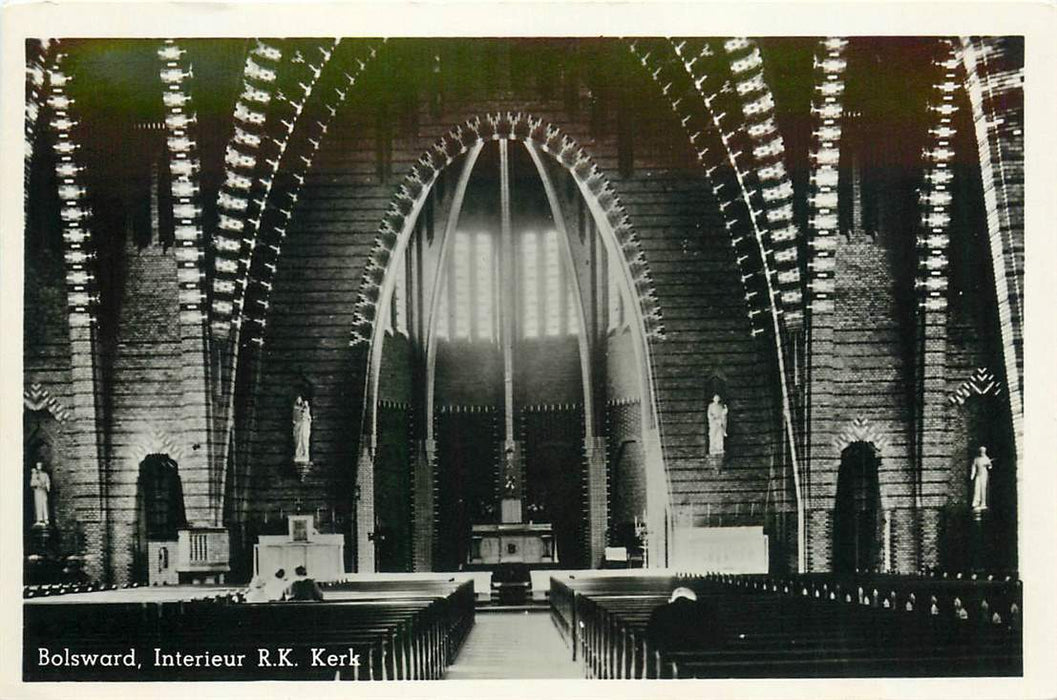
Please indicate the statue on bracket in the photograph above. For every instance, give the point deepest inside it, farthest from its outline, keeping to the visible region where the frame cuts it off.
(717, 426)
(980, 473)
(40, 483)
(302, 428)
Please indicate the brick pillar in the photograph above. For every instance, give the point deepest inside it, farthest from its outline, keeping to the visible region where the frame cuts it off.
(929, 519)
(820, 546)
(827, 113)
(904, 539)
(656, 500)
(201, 487)
(425, 517)
(365, 511)
(89, 487)
(595, 451)
(934, 443)
(818, 491)
(933, 433)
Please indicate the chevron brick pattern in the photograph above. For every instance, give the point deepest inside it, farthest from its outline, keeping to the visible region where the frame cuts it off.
(37, 398)
(82, 296)
(768, 158)
(860, 429)
(827, 111)
(936, 198)
(994, 79)
(667, 66)
(301, 145)
(982, 382)
(37, 56)
(246, 183)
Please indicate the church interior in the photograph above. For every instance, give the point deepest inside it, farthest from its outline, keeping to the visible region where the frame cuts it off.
(603, 316)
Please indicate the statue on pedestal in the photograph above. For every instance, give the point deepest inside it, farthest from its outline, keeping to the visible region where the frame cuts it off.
(717, 425)
(302, 425)
(979, 473)
(40, 482)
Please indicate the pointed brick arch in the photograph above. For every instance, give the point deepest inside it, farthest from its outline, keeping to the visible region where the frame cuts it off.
(615, 229)
(860, 429)
(153, 440)
(412, 193)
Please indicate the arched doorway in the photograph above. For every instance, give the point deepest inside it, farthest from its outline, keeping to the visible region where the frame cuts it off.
(857, 519)
(159, 508)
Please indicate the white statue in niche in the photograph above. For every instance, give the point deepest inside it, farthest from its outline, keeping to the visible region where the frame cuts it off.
(302, 425)
(40, 482)
(980, 473)
(717, 425)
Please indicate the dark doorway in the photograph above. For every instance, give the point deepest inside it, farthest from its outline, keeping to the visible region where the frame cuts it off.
(392, 482)
(857, 515)
(160, 507)
(467, 480)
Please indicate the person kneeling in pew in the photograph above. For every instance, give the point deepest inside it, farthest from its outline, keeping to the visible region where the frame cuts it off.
(685, 623)
(276, 587)
(302, 587)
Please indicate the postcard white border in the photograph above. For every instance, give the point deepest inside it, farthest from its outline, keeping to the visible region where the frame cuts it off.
(1036, 21)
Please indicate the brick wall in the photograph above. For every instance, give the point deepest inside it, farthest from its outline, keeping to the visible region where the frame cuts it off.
(673, 212)
(145, 380)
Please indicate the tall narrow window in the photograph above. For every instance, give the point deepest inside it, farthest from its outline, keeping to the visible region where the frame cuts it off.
(530, 279)
(572, 318)
(553, 294)
(483, 263)
(462, 285)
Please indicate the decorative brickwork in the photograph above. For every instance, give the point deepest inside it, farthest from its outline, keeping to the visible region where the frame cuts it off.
(827, 110)
(91, 488)
(203, 479)
(994, 77)
(247, 179)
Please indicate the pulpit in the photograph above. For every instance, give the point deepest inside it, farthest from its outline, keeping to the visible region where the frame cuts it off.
(203, 554)
(323, 555)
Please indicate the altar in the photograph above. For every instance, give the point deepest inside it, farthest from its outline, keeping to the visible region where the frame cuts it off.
(321, 554)
(501, 543)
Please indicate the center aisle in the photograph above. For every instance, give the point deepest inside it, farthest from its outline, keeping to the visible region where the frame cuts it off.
(514, 645)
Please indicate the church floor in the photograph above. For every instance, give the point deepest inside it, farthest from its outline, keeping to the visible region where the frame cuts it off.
(514, 645)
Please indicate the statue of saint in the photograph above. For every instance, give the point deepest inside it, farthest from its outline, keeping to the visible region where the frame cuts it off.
(302, 425)
(979, 473)
(40, 482)
(717, 425)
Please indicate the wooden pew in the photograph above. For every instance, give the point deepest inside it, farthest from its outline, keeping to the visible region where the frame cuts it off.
(777, 634)
(410, 635)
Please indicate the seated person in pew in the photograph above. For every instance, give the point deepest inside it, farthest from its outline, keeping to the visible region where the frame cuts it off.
(276, 586)
(302, 587)
(684, 623)
(257, 591)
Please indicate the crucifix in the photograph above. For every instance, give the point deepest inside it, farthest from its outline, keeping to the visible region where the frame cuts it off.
(511, 475)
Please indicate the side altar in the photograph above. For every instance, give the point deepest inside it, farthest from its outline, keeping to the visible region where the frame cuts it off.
(322, 554)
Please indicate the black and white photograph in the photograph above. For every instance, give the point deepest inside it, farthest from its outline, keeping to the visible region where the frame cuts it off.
(403, 358)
